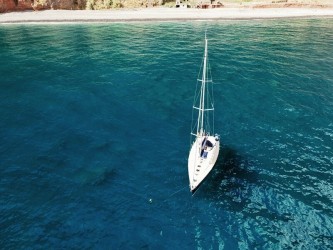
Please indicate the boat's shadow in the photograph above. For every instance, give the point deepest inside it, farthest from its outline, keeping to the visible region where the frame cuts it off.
(231, 179)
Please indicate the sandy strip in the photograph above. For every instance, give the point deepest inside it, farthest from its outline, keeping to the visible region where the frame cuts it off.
(160, 14)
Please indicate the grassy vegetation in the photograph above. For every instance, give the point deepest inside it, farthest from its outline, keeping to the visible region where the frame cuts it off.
(114, 4)
(102, 4)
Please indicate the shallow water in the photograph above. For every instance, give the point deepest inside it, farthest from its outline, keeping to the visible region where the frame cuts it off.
(95, 121)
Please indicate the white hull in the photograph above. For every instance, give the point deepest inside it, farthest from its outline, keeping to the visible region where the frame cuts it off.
(201, 162)
(205, 148)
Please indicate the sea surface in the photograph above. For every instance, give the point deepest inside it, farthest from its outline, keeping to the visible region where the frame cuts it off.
(95, 126)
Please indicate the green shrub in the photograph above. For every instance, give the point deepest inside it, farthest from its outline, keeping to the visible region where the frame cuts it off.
(117, 4)
(90, 5)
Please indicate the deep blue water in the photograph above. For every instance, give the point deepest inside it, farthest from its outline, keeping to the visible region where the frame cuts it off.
(95, 122)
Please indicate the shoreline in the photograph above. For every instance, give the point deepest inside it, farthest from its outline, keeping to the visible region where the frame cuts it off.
(160, 15)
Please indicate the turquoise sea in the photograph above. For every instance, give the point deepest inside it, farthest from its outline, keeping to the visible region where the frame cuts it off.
(95, 134)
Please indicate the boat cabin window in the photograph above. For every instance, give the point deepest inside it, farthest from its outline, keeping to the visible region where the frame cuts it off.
(207, 143)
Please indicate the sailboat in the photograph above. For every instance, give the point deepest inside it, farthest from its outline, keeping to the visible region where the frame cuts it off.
(205, 144)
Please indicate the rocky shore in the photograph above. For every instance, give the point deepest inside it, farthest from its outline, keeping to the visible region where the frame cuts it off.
(22, 5)
(160, 14)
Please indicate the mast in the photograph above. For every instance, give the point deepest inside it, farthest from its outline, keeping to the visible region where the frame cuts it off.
(200, 128)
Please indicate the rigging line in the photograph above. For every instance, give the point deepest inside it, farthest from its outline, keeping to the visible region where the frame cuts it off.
(196, 94)
(214, 107)
(200, 70)
(212, 103)
(175, 193)
(194, 123)
(196, 154)
(211, 94)
(193, 130)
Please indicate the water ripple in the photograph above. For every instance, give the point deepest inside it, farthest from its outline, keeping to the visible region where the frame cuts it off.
(94, 136)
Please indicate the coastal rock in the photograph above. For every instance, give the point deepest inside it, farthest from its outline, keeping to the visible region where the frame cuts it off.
(21, 5)
(58, 4)
(7, 5)
(15, 5)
